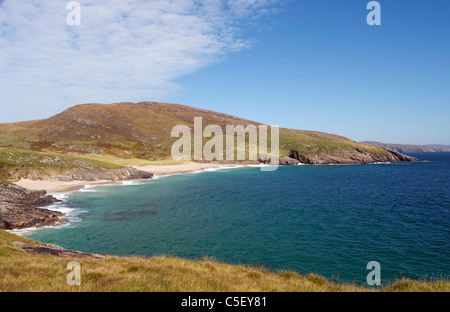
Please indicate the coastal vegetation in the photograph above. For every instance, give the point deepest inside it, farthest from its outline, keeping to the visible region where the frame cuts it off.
(23, 271)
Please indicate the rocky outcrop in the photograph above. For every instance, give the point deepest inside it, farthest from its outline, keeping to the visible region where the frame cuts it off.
(19, 208)
(357, 156)
(288, 161)
(55, 250)
(81, 174)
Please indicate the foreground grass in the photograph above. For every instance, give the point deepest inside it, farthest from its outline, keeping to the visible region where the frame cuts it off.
(20, 271)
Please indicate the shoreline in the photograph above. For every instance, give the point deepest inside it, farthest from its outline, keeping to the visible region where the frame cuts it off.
(165, 171)
(55, 188)
(60, 188)
(52, 187)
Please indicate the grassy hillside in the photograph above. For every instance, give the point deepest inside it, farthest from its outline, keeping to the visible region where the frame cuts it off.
(16, 163)
(21, 271)
(143, 131)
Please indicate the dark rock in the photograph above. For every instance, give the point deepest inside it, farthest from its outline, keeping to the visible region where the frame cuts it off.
(19, 208)
(301, 158)
(288, 161)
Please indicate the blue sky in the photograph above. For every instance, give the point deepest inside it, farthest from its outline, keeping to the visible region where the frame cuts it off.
(312, 64)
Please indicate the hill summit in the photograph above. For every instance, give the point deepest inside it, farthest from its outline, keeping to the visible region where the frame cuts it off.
(143, 130)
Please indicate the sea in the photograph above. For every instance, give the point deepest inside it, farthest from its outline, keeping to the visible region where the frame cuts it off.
(331, 220)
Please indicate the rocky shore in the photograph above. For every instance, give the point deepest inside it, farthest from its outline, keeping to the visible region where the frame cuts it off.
(19, 208)
(22, 208)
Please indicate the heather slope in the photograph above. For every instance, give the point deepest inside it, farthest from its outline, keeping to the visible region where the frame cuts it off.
(143, 131)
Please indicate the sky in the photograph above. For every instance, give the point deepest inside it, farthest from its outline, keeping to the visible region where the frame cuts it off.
(302, 64)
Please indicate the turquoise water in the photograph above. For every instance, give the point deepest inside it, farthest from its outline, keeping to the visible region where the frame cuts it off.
(330, 220)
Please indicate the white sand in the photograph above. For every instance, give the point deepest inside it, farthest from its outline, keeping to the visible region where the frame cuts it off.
(57, 186)
(183, 168)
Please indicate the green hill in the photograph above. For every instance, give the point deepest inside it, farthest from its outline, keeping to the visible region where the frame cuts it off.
(143, 131)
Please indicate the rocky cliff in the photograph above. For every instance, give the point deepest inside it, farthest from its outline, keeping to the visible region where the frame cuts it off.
(19, 208)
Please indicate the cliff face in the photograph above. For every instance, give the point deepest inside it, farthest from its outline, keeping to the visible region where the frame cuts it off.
(19, 208)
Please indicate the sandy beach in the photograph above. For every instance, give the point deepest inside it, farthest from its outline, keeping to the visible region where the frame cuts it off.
(57, 186)
(183, 168)
(158, 170)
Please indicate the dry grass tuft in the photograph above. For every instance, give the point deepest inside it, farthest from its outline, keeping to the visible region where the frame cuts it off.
(20, 271)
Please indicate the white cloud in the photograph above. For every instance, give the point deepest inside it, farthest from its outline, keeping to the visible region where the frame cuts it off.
(124, 50)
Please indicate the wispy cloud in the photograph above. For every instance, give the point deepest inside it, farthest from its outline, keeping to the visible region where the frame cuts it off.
(124, 50)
